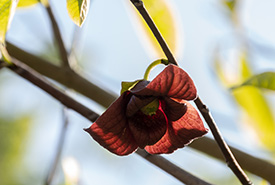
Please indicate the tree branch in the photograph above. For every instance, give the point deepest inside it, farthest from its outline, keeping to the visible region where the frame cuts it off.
(230, 160)
(35, 78)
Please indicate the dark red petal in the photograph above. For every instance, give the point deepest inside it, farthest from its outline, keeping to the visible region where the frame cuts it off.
(174, 110)
(140, 85)
(136, 103)
(163, 146)
(180, 132)
(187, 128)
(147, 130)
(172, 82)
(111, 129)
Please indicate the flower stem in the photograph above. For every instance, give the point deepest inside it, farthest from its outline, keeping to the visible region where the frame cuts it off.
(152, 65)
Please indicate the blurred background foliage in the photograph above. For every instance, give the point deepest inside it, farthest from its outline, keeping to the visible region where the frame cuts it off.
(257, 113)
(108, 53)
(14, 133)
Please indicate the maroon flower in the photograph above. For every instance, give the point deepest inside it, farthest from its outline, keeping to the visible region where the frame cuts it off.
(152, 115)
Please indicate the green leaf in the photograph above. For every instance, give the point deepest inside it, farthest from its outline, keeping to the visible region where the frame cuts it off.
(230, 4)
(27, 3)
(7, 10)
(163, 17)
(245, 68)
(4, 55)
(14, 135)
(126, 86)
(256, 106)
(78, 10)
(251, 99)
(264, 80)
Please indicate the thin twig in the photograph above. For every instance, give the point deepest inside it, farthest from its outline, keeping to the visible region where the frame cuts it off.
(228, 155)
(230, 159)
(35, 78)
(58, 37)
(59, 148)
(140, 7)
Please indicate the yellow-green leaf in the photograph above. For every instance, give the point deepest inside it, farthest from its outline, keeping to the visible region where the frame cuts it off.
(27, 3)
(246, 72)
(78, 10)
(4, 55)
(264, 80)
(163, 17)
(14, 135)
(255, 105)
(126, 86)
(7, 9)
(230, 4)
(250, 99)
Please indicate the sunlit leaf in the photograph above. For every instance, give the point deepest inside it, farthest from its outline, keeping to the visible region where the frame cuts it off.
(7, 10)
(251, 100)
(264, 80)
(27, 3)
(245, 70)
(126, 86)
(230, 4)
(163, 17)
(12, 144)
(78, 10)
(255, 105)
(4, 55)
(44, 2)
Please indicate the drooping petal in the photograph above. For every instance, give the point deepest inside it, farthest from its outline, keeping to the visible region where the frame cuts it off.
(111, 129)
(172, 82)
(146, 129)
(163, 146)
(174, 109)
(140, 85)
(136, 103)
(187, 128)
(180, 132)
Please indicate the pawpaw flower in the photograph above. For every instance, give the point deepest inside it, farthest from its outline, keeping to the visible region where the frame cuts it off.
(154, 116)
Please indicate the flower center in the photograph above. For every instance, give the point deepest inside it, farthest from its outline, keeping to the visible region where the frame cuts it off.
(151, 108)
